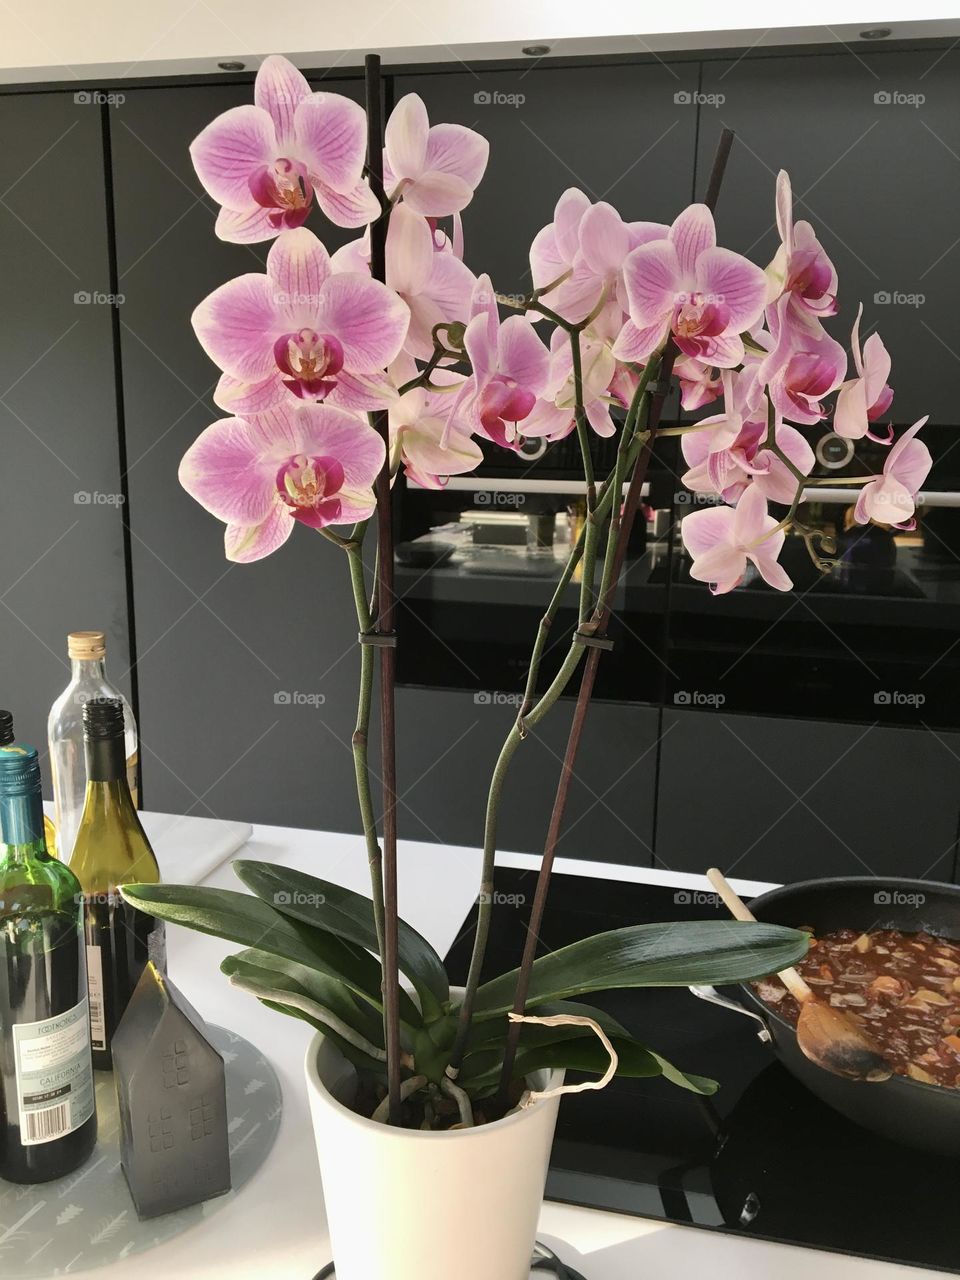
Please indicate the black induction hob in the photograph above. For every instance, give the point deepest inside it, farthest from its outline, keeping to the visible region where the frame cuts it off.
(763, 1157)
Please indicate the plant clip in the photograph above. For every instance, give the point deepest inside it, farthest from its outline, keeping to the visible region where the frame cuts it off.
(379, 639)
(592, 642)
(652, 388)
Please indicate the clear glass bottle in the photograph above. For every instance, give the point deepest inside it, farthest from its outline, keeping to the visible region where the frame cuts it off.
(111, 849)
(48, 1122)
(87, 651)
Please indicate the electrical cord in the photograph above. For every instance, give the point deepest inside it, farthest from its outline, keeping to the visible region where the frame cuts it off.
(544, 1261)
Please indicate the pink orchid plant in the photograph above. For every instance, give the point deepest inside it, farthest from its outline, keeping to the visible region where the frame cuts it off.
(392, 361)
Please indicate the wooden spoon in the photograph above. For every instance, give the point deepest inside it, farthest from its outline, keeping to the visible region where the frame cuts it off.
(826, 1035)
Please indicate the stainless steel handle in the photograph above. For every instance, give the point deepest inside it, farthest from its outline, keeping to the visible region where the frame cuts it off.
(713, 996)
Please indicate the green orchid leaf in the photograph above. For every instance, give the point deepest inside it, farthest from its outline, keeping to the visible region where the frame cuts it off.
(349, 915)
(258, 971)
(353, 1055)
(245, 919)
(583, 1052)
(702, 952)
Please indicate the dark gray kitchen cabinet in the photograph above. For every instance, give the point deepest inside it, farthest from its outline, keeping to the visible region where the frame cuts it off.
(776, 799)
(871, 141)
(617, 133)
(61, 539)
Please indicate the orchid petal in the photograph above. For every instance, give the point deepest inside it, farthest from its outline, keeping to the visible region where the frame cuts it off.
(245, 398)
(567, 216)
(604, 240)
(455, 149)
(438, 194)
(734, 281)
(244, 226)
(785, 210)
(331, 130)
(225, 471)
(653, 278)
(369, 320)
(298, 264)
(692, 233)
(723, 567)
(635, 344)
(230, 150)
(354, 208)
(236, 326)
(522, 356)
(410, 252)
(279, 89)
(246, 543)
(406, 137)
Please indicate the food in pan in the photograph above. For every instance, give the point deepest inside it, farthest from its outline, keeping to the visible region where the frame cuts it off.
(903, 988)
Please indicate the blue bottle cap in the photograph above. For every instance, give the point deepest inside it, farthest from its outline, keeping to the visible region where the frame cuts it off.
(19, 770)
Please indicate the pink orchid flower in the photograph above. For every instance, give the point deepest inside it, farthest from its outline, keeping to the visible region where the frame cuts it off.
(588, 243)
(801, 268)
(436, 170)
(510, 370)
(434, 284)
(866, 397)
(552, 417)
(892, 498)
(263, 163)
(685, 285)
(301, 330)
(723, 540)
(419, 425)
(308, 463)
(803, 366)
(699, 383)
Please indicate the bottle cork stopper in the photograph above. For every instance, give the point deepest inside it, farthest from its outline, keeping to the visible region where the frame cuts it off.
(85, 645)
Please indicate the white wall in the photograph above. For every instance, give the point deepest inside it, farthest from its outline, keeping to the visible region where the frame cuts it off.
(83, 39)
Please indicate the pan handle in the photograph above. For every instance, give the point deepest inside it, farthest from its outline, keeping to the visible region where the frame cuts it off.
(713, 996)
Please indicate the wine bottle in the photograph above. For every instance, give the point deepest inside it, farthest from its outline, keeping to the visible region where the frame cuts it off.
(6, 737)
(87, 651)
(112, 849)
(48, 1122)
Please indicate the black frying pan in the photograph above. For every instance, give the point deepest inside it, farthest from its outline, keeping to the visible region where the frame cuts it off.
(908, 1111)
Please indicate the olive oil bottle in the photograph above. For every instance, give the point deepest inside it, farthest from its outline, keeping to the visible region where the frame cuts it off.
(111, 849)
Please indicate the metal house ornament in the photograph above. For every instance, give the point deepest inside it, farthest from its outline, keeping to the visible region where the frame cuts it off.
(171, 1095)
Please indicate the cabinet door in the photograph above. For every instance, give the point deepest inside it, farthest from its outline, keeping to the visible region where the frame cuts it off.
(871, 141)
(449, 743)
(61, 538)
(247, 672)
(777, 799)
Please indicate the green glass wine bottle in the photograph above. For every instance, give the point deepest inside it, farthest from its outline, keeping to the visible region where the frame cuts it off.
(49, 1123)
(111, 849)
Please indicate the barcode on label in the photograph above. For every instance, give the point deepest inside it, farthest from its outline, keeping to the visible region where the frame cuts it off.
(51, 1122)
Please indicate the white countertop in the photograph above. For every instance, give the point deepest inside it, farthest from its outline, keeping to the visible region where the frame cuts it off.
(275, 1228)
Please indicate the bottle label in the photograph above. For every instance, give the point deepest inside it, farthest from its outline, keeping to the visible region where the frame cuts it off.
(98, 1021)
(54, 1075)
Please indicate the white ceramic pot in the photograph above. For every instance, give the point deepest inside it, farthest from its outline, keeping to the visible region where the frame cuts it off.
(410, 1205)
